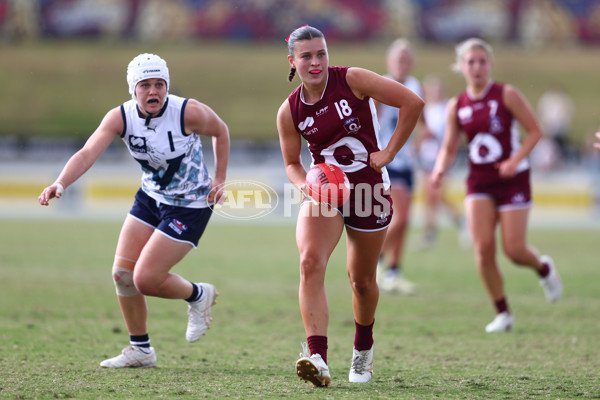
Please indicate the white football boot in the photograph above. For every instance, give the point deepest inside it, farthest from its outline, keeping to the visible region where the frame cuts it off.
(502, 323)
(392, 282)
(312, 368)
(132, 357)
(199, 313)
(361, 370)
(552, 285)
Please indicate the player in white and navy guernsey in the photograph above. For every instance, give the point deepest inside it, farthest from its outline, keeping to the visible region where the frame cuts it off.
(434, 196)
(172, 207)
(400, 62)
(173, 166)
(498, 187)
(333, 111)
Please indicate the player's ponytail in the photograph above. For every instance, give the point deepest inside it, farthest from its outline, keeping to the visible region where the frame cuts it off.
(292, 74)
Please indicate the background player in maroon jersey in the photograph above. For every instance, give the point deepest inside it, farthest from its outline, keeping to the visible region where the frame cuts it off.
(333, 110)
(498, 189)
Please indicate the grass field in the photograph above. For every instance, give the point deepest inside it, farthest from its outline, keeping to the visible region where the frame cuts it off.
(59, 318)
(67, 87)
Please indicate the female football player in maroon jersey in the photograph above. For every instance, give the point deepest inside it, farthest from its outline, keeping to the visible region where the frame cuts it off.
(498, 188)
(333, 111)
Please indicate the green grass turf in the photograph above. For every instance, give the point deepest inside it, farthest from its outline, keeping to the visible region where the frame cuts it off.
(59, 318)
(64, 88)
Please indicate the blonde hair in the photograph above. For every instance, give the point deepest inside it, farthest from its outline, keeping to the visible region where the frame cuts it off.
(462, 48)
(399, 45)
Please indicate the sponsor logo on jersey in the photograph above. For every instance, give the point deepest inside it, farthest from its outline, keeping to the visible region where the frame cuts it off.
(307, 123)
(322, 111)
(308, 133)
(352, 125)
(137, 144)
(178, 226)
(465, 113)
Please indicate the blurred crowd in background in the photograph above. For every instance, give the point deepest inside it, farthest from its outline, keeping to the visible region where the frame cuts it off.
(533, 23)
(530, 22)
(562, 25)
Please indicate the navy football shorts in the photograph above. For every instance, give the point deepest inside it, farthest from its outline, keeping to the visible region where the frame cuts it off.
(181, 224)
(401, 177)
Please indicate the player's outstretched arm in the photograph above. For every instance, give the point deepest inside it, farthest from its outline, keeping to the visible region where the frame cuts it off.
(80, 162)
(201, 119)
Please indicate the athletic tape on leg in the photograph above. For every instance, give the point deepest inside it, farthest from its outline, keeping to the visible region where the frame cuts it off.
(123, 279)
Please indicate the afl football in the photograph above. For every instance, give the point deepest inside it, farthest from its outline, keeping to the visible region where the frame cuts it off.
(327, 183)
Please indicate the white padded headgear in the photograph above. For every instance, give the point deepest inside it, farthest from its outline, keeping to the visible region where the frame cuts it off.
(146, 66)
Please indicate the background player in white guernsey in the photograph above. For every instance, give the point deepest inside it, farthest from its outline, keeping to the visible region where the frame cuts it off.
(400, 61)
(434, 196)
(171, 209)
(498, 187)
(332, 109)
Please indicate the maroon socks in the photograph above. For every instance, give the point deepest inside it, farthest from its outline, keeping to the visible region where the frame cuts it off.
(501, 305)
(318, 345)
(544, 271)
(363, 338)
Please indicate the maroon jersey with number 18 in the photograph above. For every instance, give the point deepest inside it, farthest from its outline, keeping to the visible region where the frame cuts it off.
(340, 128)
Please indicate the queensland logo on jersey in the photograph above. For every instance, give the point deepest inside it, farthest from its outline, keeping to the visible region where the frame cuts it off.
(137, 144)
(352, 125)
(465, 113)
(178, 226)
(495, 125)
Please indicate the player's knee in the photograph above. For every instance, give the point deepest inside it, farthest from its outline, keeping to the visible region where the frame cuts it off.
(311, 267)
(123, 279)
(516, 254)
(361, 286)
(484, 248)
(145, 285)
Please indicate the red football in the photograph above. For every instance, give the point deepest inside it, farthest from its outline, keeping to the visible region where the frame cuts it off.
(327, 183)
